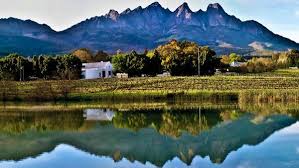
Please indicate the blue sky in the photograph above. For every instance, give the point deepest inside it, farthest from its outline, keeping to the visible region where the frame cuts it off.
(280, 16)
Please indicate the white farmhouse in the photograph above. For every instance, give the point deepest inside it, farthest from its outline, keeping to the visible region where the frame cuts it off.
(236, 64)
(97, 70)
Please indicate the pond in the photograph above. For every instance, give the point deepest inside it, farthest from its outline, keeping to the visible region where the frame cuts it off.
(149, 135)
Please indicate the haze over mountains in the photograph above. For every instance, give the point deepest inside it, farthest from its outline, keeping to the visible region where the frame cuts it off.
(143, 28)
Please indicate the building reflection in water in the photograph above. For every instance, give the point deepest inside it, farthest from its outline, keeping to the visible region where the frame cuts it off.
(98, 114)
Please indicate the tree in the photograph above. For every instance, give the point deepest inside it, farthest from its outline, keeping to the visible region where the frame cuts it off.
(15, 67)
(184, 58)
(168, 53)
(101, 56)
(257, 65)
(69, 67)
(119, 63)
(153, 65)
(286, 59)
(136, 63)
(235, 57)
(148, 63)
(293, 58)
(37, 63)
(227, 59)
(207, 62)
(85, 55)
(49, 67)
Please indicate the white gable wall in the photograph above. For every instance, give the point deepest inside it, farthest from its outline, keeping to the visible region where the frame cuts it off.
(92, 73)
(97, 70)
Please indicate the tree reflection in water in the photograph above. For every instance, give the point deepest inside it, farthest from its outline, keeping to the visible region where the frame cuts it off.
(18, 122)
(170, 122)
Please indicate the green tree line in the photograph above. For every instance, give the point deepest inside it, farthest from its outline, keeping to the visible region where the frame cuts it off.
(17, 67)
(179, 58)
(262, 64)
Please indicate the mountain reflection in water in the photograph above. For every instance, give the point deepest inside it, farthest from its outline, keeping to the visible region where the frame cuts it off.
(141, 138)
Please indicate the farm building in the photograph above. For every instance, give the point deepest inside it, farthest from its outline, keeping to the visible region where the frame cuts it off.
(97, 70)
(164, 74)
(122, 75)
(236, 64)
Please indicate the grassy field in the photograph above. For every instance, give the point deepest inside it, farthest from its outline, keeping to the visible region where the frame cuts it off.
(283, 87)
(278, 73)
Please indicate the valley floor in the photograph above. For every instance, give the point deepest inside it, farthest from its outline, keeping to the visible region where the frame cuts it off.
(278, 86)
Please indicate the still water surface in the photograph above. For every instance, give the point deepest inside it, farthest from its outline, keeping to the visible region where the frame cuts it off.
(200, 137)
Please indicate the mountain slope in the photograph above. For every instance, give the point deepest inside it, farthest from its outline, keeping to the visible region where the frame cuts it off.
(151, 26)
(29, 38)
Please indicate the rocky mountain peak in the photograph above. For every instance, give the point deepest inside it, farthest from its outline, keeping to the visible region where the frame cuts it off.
(183, 10)
(139, 8)
(128, 10)
(113, 14)
(216, 7)
(155, 4)
(154, 7)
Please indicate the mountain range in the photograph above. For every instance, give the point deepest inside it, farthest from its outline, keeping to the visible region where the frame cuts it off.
(143, 28)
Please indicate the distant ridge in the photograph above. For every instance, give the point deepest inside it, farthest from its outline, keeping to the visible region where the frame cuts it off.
(143, 28)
